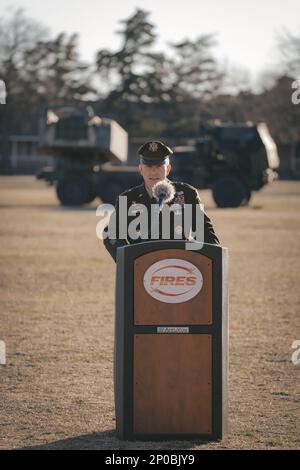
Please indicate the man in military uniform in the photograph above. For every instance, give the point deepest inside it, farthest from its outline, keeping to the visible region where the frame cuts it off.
(155, 167)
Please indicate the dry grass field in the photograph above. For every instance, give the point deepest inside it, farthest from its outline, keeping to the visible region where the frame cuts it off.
(57, 320)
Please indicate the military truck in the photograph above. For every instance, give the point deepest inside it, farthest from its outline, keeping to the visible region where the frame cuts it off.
(90, 153)
(91, 158)
(231, 159)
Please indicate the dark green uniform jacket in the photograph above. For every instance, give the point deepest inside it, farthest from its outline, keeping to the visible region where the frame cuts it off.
(184, 194)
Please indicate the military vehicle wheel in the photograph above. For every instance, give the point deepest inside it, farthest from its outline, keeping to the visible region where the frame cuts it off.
(108, 189)
(73, 190)
(229, 191)
(248, 196)
(92, 193)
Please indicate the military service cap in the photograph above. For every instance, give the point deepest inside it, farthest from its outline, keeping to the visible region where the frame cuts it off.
(154, 153)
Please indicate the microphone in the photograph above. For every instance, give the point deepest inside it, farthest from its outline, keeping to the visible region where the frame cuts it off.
(164, 192)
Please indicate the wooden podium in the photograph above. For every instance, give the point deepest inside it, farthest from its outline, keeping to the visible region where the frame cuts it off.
(171, 341)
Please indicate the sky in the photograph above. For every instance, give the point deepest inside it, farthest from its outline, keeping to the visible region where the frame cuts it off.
(245, 29)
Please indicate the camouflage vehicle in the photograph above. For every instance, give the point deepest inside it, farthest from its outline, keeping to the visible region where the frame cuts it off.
(91, 158)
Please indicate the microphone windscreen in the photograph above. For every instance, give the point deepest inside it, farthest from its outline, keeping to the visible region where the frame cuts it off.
(163, 191)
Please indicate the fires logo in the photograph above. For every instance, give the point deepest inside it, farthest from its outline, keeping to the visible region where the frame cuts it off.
(173, 280)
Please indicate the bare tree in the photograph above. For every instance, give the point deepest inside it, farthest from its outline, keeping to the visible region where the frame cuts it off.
(289, 53)
(37, 71)
(54, 72)
(235, 79)
(17, 33)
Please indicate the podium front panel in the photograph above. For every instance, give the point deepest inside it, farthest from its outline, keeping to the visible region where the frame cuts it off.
(172, 384)
(196, 311)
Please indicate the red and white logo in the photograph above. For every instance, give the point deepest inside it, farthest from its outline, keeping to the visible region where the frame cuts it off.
(173, 280)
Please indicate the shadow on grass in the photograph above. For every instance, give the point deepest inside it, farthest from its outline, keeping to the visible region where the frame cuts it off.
(108, 440)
